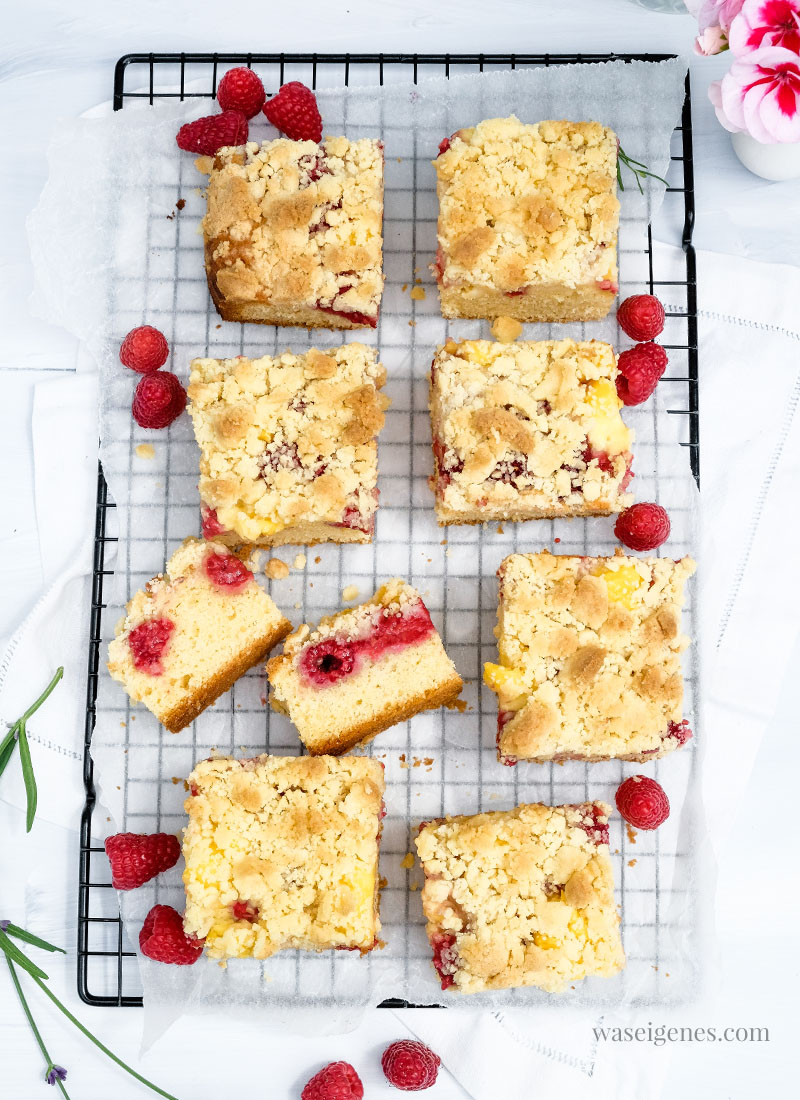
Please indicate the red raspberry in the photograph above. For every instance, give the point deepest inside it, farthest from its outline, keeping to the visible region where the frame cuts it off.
(410, 1066)
(640, 368)
(135, 858)
(209, 134)
(243, 910)
(642, 526)
(148, 642)
(144, 349)
(241, 90)
(227, 571)
(337, 1081)
(641, 317)
(209, 522)
(294, 112)
(642, 802)
(162, 938)
(328, 661)
(681, 731)
(159, 399)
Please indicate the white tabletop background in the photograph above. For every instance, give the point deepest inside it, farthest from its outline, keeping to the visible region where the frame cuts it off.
(56, 60)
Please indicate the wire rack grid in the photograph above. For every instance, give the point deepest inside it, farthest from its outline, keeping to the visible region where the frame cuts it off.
(107, 973)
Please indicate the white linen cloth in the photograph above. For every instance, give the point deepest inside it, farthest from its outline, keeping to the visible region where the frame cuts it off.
(750, 609)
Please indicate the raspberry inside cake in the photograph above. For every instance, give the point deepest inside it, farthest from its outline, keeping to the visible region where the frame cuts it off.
(192, 631)
(527, 430)
(590, 657)
(289, 445)
(293, 233)
(363, 670)
(528, 219)
(282, 852)
(520, 898)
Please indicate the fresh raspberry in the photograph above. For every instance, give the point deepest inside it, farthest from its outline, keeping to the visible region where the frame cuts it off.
(159, 399)
(641, 317)
(410, 1066)
(337, 1081)
(642, 526)
(642, 802)
(209, 522)
(227, 571)
(135, 858)
(209, 134)
(148, 643)
(294, 112)
(162, 938)
(328, 661)
(241, 90)
(640, 368)
(144, 349)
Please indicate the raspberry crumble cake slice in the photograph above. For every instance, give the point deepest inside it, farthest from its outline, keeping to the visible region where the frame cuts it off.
(527, 431)
(282, 852)
(293, 233)
(520, 897)
(192, 631)
(362, 671)
(528, 217)
(590, 657)
(289, 445)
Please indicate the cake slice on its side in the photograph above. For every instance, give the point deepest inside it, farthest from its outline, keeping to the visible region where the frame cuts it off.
(362, 671)
(192, 632)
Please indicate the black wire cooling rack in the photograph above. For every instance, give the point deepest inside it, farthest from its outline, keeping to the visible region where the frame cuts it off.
(106, 967)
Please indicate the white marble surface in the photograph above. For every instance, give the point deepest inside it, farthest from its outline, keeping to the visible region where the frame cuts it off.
(56, 62)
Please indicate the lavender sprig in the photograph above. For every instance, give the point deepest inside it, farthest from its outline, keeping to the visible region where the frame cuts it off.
(18, 735)
(639, 170)
(54, 1074)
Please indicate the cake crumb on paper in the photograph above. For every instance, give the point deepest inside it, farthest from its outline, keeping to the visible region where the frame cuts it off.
(632, 862)
(404, 287)
(413, 886)
(500, 529)
(204, 165)
(300, 561)
(412, 324)
(631, 834)
(458, 704)
(145, 450)
(276, 569)
(506, 329)
(349, 592)
(317, 560)
(418, 293)
(407, 861)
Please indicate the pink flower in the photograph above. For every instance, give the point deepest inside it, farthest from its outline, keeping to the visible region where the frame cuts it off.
(766, 23)
(714, 19)
(761, 95)
(711, 41)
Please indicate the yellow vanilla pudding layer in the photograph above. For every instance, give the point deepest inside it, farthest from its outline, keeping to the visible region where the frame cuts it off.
(527, 430)
(521, 898)
(288, 444)
(528, 220)
(341, 689)
(211, 634)
(589, 657)
(282, 852)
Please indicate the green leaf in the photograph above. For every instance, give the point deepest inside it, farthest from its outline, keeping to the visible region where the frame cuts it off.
(7, 749)
(28, 937)
(13, 952)
(28, 776)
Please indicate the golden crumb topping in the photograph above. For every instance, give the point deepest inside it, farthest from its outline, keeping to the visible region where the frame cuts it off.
(283, 852)
(590, 663)
(289, 439)
(523, 897)
(523, 204)
(528, 426)
(297, 223)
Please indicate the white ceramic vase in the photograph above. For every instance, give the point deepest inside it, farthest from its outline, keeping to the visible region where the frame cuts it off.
(771, 162)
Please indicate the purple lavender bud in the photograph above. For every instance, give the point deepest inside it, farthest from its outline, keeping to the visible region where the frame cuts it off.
(55, 1073)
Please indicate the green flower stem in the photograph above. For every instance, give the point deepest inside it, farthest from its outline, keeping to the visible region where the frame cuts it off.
(17, 735)
(47, 691)
(34, 1028)
(97, 1043)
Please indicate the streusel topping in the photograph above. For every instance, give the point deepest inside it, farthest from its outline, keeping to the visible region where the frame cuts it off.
(290, 439)
(523, 203)
(293, 841)
(297, 223)
(525, 896)
(533, 420)
(589, 654)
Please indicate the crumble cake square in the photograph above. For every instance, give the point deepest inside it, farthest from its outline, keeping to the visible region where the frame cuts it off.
(590, 657)
(363, 670)
(282, 852)
(192, 632)
(523, 897)
(528, 430)
(293, 233)
(289, 445)
(528, 218)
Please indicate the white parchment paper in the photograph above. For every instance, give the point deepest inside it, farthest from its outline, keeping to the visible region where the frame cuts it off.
(112, 251)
